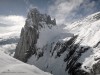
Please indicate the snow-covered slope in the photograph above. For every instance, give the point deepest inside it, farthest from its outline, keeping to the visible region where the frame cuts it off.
(61, 50)
(88, 32)
(11, 66)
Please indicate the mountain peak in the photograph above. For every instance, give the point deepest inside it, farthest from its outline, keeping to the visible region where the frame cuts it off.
(32, 12)
(35, 22)
(34, 17)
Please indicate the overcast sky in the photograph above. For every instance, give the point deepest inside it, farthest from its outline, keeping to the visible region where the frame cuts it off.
(13, 12)
(79, 7)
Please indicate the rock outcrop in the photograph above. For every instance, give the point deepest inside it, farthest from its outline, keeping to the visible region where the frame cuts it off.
(30, 33)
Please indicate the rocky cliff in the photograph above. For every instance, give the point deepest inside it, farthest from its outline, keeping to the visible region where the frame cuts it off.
(30, 33)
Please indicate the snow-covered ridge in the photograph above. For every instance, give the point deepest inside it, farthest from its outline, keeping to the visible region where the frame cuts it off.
(11, 66)
(88, 30)
(93, 17)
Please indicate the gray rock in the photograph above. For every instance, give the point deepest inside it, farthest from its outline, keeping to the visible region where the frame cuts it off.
(30, 33)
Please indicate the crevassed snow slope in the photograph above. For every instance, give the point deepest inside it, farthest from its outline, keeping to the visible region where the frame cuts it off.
(11, 66)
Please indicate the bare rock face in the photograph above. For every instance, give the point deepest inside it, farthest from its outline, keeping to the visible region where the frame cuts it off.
(30, 33)
(96, 69)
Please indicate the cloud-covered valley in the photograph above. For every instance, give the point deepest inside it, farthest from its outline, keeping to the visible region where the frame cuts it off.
(10, 27)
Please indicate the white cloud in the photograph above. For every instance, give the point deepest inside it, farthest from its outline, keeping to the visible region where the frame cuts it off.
(62, 9)
(11, 23)
(10, 27)
(8, 48)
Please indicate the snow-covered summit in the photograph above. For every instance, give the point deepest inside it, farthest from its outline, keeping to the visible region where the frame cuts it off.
(93, 17)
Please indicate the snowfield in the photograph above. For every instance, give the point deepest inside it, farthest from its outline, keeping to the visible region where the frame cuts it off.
(11, 66)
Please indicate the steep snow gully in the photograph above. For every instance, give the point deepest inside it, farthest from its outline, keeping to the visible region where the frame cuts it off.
(60, 49)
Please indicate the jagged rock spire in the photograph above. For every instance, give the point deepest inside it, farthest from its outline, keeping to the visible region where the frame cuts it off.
(34, 18)
(30, 33)
(32, 12)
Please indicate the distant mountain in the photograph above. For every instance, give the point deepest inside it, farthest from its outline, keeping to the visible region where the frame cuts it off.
(61, 50)
(8, 43)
